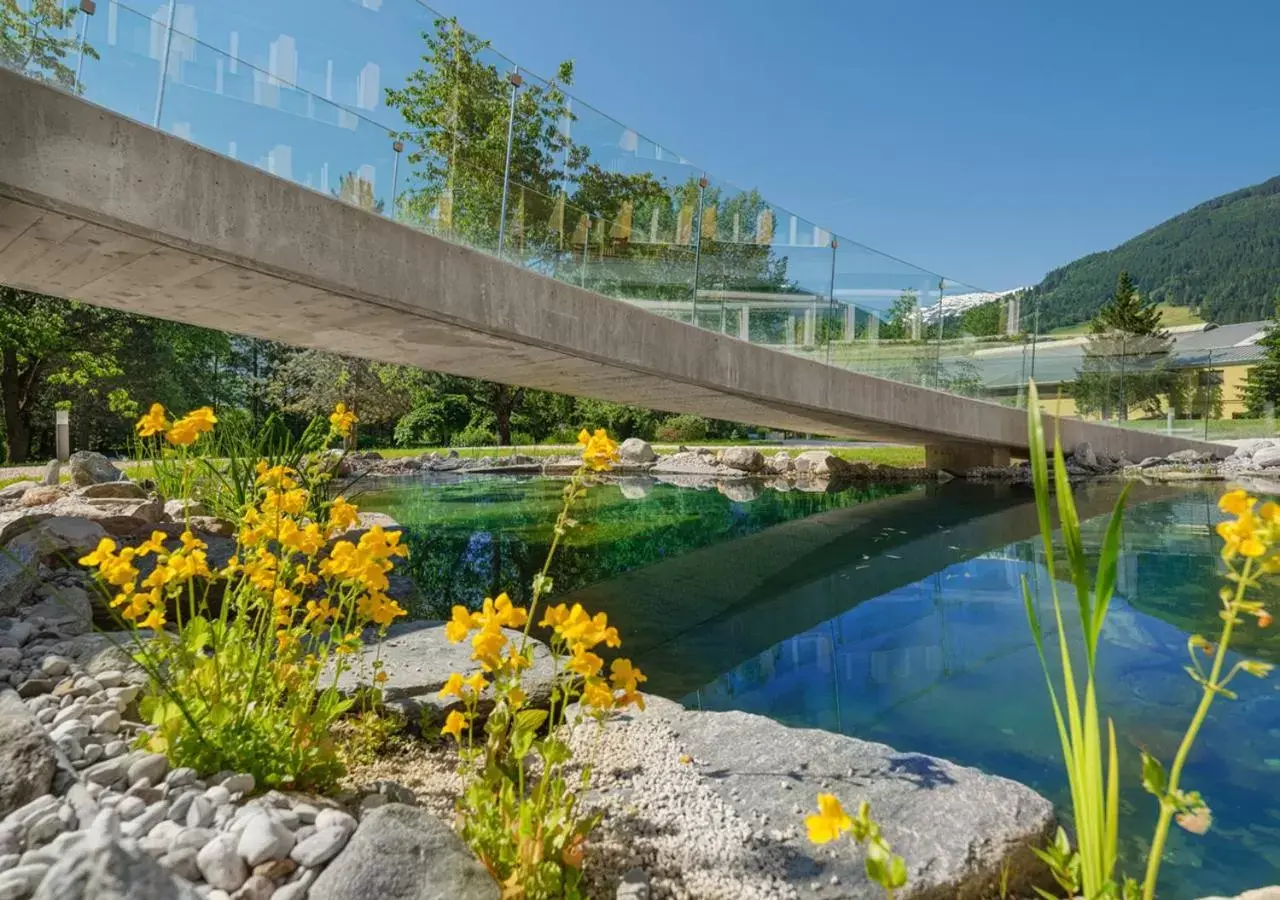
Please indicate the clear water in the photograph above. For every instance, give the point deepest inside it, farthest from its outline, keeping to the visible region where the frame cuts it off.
(893, 614)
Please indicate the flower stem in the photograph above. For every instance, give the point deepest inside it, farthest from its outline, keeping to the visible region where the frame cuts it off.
(1210, 690)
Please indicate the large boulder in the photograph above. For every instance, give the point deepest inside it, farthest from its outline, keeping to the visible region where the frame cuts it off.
(111, 490)
(19, 575)
(15, 521)
(61, 538)
(744, 459)
(636, 452)
(780, 463)
(52, 473)
(404, 853)
(17, 489)
(1246, 448)
(88, 467)
(119, 518)
(99, 866)
(1266, 457)
(28, 756)
(42, 496)
(1083, 454)
(816, 463)
(959, 830)
(66, 608)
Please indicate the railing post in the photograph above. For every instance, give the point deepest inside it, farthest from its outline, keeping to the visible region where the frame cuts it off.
(937, 357)
(515, 80)
(88, 7)
(164, 64)
(697, 248)
(397, 146)
(831, 298)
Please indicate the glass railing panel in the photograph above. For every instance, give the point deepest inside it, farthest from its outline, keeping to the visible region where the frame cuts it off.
(121, 64)
(279, 128)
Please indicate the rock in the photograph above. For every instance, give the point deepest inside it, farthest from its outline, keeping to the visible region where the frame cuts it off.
(1266, 893)
(67, 608)
(634, 885)
(238, 784)
(691, 463)
(106, 651)
(100, 867)
(1189, 456)
(636, 452)
(957, 828)
(780, 463)
(119, 518)
(264, 839)
(1247, 448)
(88, 467)
(327, 818)
(220, 865)
(404, 853)
(52, 473)
(1151, 461)
(1266, 457)
(819, 463)
(108, 772)
(22, 880)
(258, 887)
(152, 766)
(1083, 454)
(111, 490)
(28, 757)
(17, 489)
(739, 491)
(16, 521)
(321, 847)
(19, 575)
(635, 487)
(744, 459)
(182, 862)
(184, 510)
(41, 496)
(418, 659)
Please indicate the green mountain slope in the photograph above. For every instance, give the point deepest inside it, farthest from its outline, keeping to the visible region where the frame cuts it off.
(1221, 257)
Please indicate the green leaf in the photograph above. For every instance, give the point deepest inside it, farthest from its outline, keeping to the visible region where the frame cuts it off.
(1154, 780)
(530, 719)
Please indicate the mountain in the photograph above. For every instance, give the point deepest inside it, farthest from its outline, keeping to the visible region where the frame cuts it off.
(1221, 257)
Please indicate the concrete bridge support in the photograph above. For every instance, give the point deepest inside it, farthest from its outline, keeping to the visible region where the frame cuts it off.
(961, 457)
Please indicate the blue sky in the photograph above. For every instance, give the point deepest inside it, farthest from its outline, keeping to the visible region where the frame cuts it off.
(989, 140)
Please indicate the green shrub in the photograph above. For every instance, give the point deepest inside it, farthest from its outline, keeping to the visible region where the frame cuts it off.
(683, 428)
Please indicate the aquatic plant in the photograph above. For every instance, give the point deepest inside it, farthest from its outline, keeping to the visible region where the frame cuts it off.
(244, 659)
(1090, 867)
(520, 809)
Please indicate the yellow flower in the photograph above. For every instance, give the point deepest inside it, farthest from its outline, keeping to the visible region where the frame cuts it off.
(830, 822)
(509, 615)
(342, 515)
(202, 419)
(554, 616)
(153, 422)
(154, 620)
(154, 544)
(381, 678)
(183, 433)
(597, 694)
(585, 663)
(625, 676)
(341, 420)
(476, 683)
(453, 724)
(105, 550)
(487, 646)
(458, 627)
(516, 698)
(452, 687)
(598, 450)
(1235, 503)
(321, 611)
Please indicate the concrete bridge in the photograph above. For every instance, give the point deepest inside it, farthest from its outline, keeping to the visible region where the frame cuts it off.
(99, 208)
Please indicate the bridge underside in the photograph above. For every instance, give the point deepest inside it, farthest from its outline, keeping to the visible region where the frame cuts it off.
(98, 208)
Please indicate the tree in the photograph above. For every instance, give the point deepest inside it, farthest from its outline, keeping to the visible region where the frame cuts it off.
(36, 41)
(457, 107)
(358, 191)
(311, 382)
(902, 315)
(1126, 357)
(1262, 384)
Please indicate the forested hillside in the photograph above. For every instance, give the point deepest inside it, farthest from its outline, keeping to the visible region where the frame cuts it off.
(1221, 257)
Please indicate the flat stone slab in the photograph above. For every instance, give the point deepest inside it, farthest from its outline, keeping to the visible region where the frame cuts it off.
(419, 659)
(956, 827)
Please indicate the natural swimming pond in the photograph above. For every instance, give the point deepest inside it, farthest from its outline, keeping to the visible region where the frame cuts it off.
(892, 613)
